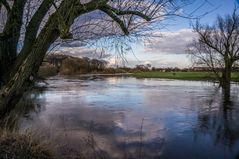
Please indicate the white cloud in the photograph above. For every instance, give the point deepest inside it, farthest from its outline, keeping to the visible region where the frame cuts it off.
(171, 42)
(165, 51)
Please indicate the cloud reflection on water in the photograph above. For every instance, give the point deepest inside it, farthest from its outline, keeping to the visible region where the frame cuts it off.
(179, 118)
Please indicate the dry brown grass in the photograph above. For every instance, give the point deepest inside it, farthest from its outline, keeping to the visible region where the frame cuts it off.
(23, 146)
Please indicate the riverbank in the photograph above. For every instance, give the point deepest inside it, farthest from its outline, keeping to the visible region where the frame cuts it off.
(14, 145)
(192, 76)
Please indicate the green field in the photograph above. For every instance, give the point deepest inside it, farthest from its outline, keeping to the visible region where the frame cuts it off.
(194, 76)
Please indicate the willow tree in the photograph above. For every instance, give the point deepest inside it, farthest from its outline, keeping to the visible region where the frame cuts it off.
(217, 47)
(28, 34)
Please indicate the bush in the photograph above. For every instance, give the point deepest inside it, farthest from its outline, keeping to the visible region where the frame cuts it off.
(73, 66)
(47, 71)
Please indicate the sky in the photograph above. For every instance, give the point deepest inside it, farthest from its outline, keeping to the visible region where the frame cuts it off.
(170, 49)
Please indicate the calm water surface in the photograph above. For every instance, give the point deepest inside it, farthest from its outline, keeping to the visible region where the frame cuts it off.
(138, 118)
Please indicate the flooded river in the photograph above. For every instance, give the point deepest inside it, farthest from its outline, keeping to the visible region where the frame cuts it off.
(123, 117)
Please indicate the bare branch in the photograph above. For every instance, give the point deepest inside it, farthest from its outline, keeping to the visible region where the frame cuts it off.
(6, 5)
(127, 12)
(116, 19)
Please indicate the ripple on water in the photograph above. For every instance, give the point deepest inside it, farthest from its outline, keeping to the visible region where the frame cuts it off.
(167, 118)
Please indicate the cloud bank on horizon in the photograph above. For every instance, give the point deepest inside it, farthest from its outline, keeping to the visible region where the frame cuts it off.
(171, 42)
(169, 50)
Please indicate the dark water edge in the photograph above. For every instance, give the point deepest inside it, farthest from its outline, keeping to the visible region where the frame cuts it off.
(124, 117)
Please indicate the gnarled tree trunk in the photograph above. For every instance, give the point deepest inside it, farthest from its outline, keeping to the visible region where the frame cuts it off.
(13, 90)
(9, 39)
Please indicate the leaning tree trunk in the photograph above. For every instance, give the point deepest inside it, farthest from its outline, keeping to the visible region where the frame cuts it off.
(9, 39)
(29, 63)
(11, 93)
(7, 56)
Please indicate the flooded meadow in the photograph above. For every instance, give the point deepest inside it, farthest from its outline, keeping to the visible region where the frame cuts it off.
(125, 117)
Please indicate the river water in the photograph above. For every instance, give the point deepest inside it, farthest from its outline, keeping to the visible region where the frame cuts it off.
(124, 117)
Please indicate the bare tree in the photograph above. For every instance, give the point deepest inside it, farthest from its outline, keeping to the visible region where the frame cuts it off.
(32, 26)
(217, 46)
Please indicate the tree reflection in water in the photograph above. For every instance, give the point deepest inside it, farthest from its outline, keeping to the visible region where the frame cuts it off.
(65, 112)
(27, 105)
(220, 118)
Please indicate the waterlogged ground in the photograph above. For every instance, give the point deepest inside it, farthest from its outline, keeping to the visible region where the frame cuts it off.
(120, 117)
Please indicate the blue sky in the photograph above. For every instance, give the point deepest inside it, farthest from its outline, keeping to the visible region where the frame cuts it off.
(169, 51)
(213, 7)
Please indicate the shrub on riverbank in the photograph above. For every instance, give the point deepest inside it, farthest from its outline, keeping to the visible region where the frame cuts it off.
(47, 71)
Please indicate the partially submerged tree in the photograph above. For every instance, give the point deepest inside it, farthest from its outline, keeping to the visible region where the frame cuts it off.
(28, 34)
(217, 47)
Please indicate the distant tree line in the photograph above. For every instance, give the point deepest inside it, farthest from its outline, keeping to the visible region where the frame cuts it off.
(73, 65)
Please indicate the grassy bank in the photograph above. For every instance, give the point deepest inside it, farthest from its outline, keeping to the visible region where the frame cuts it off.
(193, 76)
(23, 146)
